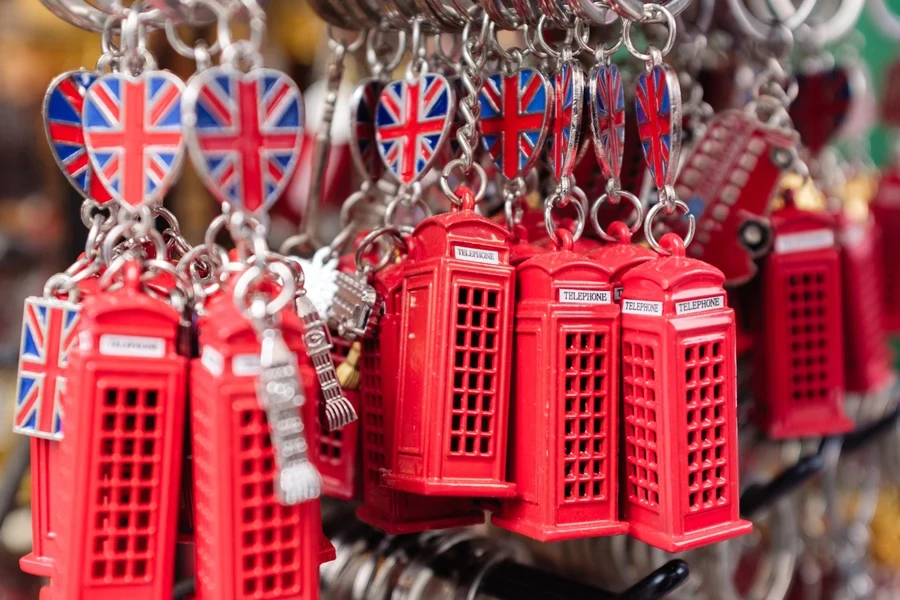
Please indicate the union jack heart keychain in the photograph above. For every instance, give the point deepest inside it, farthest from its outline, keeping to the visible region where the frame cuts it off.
(364, 104)
(606, 95)
(243, 128)
(414, 117)
(658, 106)
(516, 111)
(63, 109)
(132, 123)
(563, 146)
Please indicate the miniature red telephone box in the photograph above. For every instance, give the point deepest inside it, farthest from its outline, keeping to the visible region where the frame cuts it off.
(249, 545)
(455, 351)
(680, 401)
(564, 407)
(800, 355)
(394, 512)
(867, 355)
(120, 459)
(336, 453)
(885, 209)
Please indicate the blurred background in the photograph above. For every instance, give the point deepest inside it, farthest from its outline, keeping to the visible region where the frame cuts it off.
(41, 231)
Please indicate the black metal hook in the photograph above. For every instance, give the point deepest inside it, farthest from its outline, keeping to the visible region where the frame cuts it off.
(510, 580)
(758, 496)
(514, 581)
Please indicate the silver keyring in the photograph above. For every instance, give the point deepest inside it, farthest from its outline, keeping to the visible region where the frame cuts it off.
(580, 199)
(181, 47)
(885, 19)
(582, 37)
(841, 22)
(648, 226)
(760, 30)
(655, 13)
(634, 227)
(255, 274)
(456, 164)
(594, 13)
(363, 265)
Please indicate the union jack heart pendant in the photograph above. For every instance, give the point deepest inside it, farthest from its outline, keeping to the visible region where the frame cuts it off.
(63, 105)
(822, 104)
(412, 124)
(515, 117)
(568, 104)
(607, 100)
(244, 132)
(133, 135)
(362, 129)
(48, 333)
(658, 108)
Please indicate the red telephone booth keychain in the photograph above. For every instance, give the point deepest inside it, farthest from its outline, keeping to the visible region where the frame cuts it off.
(886, 211)
(800, 355)
(868, 367)
(121, 459)
(452, 397)
(679, 378)
(275, 541)
(564, 427)
(393, 511)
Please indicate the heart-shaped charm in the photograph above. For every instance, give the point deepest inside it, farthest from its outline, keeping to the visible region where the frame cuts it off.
(63, 105)
(362, 129)
(658, 108)
(515, 114)
(244, 132)
(133, 134)
(568, 104)
(412, 124)
(608, 118)
(821, 106)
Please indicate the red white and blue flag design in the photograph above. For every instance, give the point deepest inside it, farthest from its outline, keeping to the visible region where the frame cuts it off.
(515, 113)
(822, 105)
(412, 124)
(658, 107)
(48, 333)
(608, 118)
(63, 106)
(244, 134)
(133, 134)
(362, 131)
(568, 99)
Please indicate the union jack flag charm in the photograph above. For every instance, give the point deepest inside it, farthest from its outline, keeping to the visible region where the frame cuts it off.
(608, 118)
(515, 114)
(133, 134)
(412, 124)
(63, 105)
(821, 106)
(568, 103)
(48, 333)
(244, 132)
(362, 129)
(658, 107)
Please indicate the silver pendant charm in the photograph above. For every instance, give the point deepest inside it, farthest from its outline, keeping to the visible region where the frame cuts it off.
(280, 393)
(356, 307)
(338, 410)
